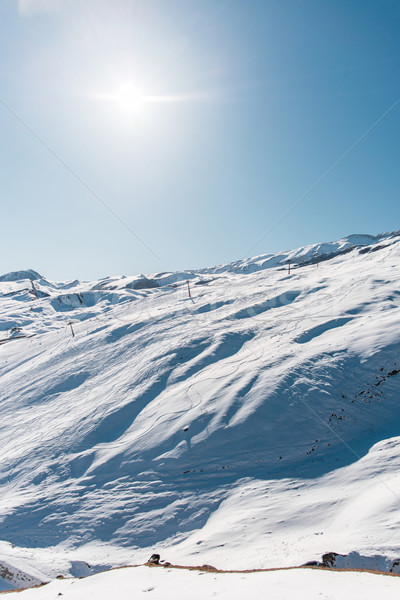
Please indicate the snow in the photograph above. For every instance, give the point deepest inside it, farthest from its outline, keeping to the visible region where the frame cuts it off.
(254, 425)
(172, 584)
(29, 274)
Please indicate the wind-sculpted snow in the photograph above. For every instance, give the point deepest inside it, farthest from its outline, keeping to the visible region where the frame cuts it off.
(254, 424)
(320, 329)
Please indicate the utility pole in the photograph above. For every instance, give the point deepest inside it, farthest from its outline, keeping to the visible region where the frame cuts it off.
(33, 291)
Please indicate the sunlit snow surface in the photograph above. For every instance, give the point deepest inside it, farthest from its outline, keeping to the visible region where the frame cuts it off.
(170, 584)
(256, 424)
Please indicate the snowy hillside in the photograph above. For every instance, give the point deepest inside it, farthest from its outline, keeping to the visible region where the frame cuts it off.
(255, 424)
(171, 584)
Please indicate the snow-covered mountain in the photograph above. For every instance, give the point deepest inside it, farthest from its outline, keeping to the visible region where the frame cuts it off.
(254, 424)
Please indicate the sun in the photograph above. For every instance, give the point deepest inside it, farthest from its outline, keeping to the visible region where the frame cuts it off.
(129, 98)
(130, 103)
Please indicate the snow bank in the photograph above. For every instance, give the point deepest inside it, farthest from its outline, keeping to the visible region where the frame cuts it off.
(172, 584)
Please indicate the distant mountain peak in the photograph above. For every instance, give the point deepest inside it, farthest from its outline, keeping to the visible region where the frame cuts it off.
(20, 275)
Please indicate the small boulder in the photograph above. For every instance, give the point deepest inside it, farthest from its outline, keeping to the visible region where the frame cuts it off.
(329, 559)
(208, 568)
(395, 568)
(312, 563)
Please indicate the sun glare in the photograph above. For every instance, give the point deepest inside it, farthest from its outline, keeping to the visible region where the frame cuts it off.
(129, 102)
(129, 98)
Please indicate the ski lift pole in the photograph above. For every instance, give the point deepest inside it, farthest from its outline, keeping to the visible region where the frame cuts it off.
(72, 330)
(33, 291)
(190, 295)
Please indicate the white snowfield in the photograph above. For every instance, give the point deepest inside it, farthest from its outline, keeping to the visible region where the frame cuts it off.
(170, 584)
(255, 424)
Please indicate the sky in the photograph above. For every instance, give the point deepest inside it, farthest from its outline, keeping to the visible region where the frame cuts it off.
(141, 136)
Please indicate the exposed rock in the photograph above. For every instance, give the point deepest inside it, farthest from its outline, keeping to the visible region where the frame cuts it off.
(329, 559)
(395, 568)
(208, 568)
(355, 560)
(18, 578)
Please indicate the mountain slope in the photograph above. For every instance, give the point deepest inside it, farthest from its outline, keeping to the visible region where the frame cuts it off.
(260, 414)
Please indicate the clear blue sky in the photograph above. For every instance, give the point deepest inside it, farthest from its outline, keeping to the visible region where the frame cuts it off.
(199, 123)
